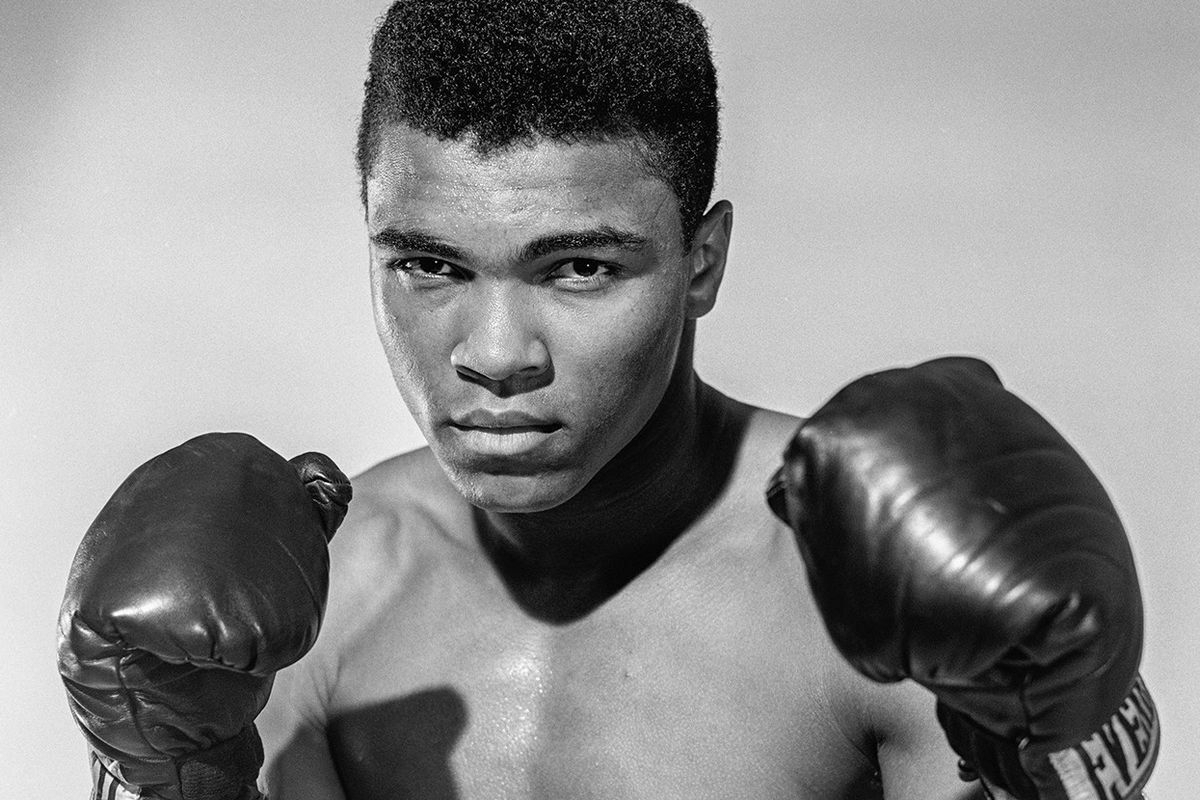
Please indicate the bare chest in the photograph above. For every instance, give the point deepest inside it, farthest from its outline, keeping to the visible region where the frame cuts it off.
(701, 679)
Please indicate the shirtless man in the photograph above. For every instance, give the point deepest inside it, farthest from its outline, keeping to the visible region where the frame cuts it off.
(576, 590)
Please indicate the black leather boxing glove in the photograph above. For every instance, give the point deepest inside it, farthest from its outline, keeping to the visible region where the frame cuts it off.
(205, 574)
(952, 536)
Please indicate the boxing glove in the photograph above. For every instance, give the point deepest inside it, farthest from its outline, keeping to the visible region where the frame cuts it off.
(205, 574)
(952, 536)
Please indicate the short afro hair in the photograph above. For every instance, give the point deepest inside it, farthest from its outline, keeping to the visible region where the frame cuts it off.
(508, 72)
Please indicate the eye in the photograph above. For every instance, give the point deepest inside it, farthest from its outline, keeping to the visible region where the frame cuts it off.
(424, 267)
(584, 273)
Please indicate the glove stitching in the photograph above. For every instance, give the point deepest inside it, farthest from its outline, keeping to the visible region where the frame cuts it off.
(133, 703)
(115, 636)
(1026, 710)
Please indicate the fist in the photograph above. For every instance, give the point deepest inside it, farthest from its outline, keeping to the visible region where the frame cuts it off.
(952, 536)
(204, 574)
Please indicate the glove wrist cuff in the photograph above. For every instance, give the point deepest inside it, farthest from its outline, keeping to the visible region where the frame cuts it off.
(1112, 763)
(226, 771)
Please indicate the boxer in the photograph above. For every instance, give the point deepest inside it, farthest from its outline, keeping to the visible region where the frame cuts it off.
(576, 590)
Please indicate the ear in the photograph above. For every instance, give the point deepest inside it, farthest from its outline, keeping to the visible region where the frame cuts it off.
(710, 245)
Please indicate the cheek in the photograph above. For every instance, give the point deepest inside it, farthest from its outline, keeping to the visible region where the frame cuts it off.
(409, 341)
(628, 358)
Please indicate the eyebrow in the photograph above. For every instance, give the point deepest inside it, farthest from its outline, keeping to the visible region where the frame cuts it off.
(398, 239)
(604, 237)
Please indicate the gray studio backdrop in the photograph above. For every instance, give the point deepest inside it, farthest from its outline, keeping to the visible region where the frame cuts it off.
(181, 249)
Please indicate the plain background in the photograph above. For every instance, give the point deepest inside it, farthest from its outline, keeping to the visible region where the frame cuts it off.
(181, 250)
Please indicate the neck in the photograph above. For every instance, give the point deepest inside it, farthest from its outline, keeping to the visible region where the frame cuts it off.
(561, 563)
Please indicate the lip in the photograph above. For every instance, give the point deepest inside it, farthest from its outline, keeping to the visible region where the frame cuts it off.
(501, 422)
(496, 440)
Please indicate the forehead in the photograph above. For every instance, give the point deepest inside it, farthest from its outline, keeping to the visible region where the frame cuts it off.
(418, 180)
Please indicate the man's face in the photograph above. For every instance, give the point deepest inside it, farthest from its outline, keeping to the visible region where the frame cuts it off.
(531, 304)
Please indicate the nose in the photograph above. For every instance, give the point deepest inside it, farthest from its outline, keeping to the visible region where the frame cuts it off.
(502, 348)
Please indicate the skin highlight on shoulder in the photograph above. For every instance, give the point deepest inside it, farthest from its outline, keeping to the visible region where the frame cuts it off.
(398, 503)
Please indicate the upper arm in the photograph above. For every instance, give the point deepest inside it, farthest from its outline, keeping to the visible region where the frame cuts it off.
(915, 761)
(298, 763)
(294, 726)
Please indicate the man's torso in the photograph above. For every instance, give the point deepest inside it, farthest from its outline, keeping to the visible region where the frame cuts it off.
(707, 674)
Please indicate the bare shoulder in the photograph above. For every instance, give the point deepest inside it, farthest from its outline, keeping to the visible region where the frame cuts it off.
(762, 436)
(897, 721)
(406, 492)
(370, 555)
(399, 522)
(767, 434)
(403, 515)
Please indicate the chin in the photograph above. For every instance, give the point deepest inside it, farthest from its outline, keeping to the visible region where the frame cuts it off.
(515, 494)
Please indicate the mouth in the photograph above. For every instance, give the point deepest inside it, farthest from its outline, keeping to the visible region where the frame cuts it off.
(508, 430)
(503, 423)
(499, 437)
